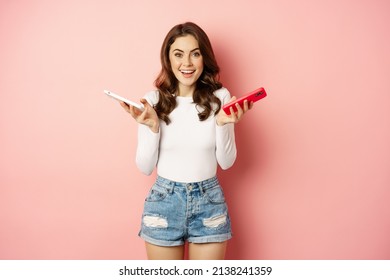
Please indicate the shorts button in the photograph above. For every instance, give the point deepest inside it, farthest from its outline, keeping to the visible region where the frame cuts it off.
(189, 187)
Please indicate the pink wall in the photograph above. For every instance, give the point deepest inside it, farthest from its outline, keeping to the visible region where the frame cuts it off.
(312, 178)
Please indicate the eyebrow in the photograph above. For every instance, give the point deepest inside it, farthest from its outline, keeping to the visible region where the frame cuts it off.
(196, 49)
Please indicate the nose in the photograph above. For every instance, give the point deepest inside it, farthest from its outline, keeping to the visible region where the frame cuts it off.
(187, 60)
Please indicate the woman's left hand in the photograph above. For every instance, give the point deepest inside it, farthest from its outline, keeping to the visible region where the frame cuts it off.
(234, 117)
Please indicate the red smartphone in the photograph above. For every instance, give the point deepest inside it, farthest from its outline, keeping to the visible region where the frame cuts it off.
(253, 96)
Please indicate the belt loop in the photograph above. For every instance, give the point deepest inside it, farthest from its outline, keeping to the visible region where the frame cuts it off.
(171, 186)
(200, 184)
(167, 184)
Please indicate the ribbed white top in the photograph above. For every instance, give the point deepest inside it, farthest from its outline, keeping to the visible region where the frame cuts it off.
(186, 150)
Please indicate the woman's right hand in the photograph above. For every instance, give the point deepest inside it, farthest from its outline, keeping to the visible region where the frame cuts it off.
(146, 117)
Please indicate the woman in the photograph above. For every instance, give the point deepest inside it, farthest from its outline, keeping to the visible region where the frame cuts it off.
(185, 133)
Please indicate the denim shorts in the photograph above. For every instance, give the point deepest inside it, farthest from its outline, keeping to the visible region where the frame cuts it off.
(178, 212)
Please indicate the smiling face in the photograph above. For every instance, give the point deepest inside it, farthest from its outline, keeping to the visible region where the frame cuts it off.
(186, 63)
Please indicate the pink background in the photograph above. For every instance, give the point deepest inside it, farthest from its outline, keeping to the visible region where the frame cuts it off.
(312, 178)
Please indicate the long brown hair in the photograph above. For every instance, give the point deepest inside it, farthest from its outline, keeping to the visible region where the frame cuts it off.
(208, 82)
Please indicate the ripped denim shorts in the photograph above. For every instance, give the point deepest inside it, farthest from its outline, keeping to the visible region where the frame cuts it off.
(178, 212)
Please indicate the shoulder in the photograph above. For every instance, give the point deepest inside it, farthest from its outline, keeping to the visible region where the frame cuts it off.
(223, 94)
(152, 97)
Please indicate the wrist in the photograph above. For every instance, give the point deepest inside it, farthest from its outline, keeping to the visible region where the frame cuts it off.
(155, 128)
(219, 123)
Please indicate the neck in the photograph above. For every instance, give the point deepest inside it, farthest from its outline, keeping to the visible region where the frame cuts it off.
(185, 91)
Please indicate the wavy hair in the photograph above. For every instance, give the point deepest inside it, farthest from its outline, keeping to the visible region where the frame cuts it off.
(208, 82)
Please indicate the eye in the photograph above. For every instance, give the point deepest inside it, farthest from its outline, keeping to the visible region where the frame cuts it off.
(196, 54)
(178, 54)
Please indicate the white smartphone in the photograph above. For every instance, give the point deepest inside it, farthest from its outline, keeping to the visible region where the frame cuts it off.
(120, 98)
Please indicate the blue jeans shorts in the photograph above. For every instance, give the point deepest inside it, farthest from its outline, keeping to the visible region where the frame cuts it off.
(178, 212)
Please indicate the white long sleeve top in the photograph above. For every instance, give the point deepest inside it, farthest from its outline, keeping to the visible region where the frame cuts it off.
(187, 150)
